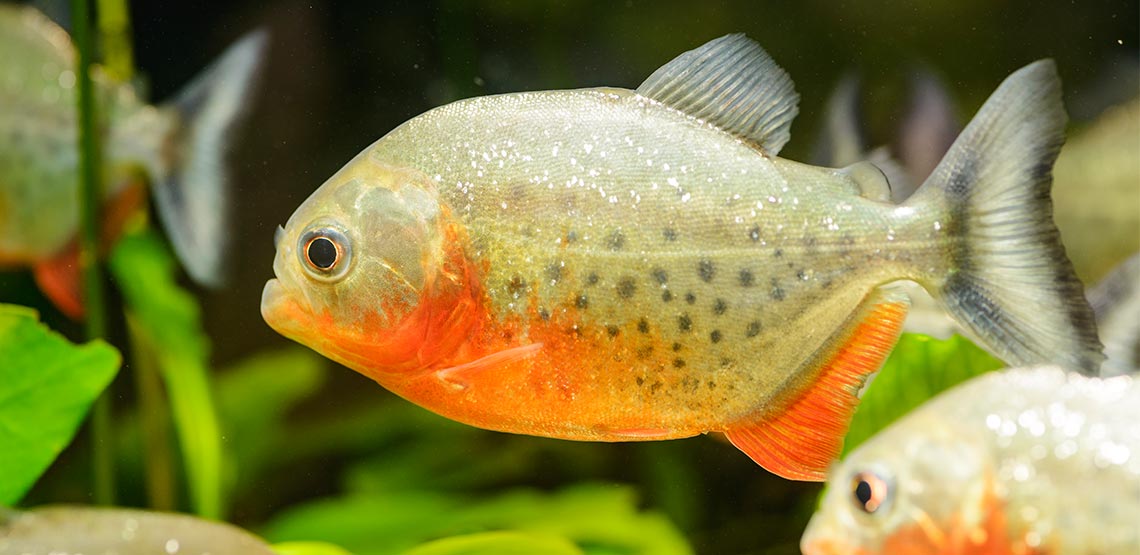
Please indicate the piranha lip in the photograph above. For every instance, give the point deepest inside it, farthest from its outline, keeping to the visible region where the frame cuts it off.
(271, 298)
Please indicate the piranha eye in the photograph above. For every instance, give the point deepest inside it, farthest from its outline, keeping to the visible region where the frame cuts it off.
(325, 252)
(869, 491)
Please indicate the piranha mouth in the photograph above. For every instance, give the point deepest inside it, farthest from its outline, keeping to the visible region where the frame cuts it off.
(272, 298)
(278, 308)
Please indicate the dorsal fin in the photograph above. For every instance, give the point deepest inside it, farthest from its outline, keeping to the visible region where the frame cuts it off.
(732, 83)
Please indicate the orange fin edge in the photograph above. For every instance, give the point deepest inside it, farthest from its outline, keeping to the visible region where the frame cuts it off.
(59, 280)
(457, 375)
(802, 441)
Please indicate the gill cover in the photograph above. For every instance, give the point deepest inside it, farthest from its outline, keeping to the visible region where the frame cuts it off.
(362, 249)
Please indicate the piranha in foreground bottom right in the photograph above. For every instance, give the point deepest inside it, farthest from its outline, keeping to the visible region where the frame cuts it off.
(1029, 461)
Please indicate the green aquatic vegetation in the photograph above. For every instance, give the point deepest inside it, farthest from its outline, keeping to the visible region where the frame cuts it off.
(166, 324)
(497, 543)
(49, 384)
(599, 519)
(919, 368)
(254, 397)
(308, 548)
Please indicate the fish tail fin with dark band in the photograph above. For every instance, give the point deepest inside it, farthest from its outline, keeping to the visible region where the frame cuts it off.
(190, 184)
(1008, 281)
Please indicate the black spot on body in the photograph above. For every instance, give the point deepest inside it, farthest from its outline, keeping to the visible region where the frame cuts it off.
(640, 380)
(676, 347)
(715, 336)
(706, 270)
(690, 298)
(554, 272)
(582, 301)
(670, 234)
(801, 274)
(517, 286)
(778, 253)
(684, 323)
(616, 241)
(754, 233)
(666, 295)
(592, 279)
(644, 352)
(746, 278)
(777, 292)
(678, 363)
(643, 325)
(612, 330)
(626, 287)
(660, 275)
(753, 329)
(544, 314)
(720, 307)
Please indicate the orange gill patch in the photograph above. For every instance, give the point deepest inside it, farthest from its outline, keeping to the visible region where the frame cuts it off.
(990, 535)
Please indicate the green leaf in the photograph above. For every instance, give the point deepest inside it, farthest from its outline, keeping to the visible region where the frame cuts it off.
(599, 519)
(165, 322)
(253, 398)
(498, 543)
(308, 548)
(47, 385)
(919, 368)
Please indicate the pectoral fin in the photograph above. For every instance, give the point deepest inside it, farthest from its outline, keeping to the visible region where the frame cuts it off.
(462, 375)
(801, 440)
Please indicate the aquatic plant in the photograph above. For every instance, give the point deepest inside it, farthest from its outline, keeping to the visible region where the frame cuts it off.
(280, 443)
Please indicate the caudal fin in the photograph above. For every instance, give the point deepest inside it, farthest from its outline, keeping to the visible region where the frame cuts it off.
(1009, 282)
(191, 186)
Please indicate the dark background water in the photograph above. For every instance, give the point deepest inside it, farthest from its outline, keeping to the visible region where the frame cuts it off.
(342, 74)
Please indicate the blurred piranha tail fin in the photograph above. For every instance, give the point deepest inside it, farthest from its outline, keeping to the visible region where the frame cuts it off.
(191, 185)
(1009, 283)
(1116, 302)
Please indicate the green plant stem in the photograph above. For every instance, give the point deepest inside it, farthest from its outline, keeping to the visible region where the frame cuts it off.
(115, 32)
(154, 422)
(90, 196)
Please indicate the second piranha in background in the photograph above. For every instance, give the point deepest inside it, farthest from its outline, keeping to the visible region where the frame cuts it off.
(616, 265)
(1023, 461)
(178, 148)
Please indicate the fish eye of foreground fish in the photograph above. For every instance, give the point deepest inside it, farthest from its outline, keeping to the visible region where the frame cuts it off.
(629, 265)
(354, 260)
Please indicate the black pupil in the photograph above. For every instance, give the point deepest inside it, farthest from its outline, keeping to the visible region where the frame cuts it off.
(863, 493)
(322, 253)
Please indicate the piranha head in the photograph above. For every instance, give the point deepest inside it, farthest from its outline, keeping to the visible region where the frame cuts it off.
(917, 490)
(354, 264)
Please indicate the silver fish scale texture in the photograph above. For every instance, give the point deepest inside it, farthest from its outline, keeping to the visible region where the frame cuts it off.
(639, 219)
(38, 154)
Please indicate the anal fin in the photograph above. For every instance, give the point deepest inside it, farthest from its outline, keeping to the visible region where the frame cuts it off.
(801, 440)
